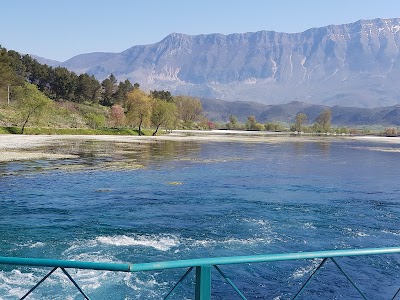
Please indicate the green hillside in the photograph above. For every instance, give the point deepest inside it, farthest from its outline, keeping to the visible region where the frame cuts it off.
(34, 95)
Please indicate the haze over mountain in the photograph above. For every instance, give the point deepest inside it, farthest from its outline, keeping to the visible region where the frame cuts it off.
(220, 110)
(355, 64)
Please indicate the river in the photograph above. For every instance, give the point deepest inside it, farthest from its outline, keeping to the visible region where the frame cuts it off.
(145, 202)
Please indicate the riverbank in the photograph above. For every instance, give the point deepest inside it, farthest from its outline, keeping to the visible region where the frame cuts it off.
(25, 147)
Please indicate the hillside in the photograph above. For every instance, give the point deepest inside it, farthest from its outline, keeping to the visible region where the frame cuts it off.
(219, 110)
(355, 64)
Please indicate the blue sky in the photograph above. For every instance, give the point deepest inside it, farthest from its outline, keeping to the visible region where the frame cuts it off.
(60, 29)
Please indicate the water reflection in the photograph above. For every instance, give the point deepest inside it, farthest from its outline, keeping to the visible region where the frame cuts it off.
(325, 146)
(299, 147)
(95, 155)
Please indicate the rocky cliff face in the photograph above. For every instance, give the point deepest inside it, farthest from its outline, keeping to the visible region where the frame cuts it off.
(354, 64)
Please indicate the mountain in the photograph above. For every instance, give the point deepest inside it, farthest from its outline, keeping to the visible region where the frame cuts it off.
(355, 64)
(220, 110)
(46, 61)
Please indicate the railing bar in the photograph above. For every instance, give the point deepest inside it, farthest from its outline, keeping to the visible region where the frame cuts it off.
(136, 267)
(75, 284)
(349, 279)
(309, 278)
(395, 295)
(260, 258)
(179, 281)
(231, 283)
(39, 283)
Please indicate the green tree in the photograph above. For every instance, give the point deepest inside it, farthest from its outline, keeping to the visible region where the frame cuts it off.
(39, 75)
(109, 88)
(138, 107)
(124, 87)
(251, 123)
(233, 123)
(17, 64)
(163, 113)
(88, 89)
(162, 95)
(323, 121)
(273, 127)
(63, 84)
(189, 109)
(8, 76)
(301, 119)
(30, 103)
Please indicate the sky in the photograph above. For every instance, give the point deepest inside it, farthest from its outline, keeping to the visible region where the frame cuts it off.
(61, 29)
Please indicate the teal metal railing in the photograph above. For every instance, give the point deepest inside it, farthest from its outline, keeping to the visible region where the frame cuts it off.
(203, 267)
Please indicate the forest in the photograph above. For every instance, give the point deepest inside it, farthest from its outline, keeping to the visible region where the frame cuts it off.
(34, 94)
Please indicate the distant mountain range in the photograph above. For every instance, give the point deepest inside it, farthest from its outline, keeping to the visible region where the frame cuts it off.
(220, 110)
(355, 64)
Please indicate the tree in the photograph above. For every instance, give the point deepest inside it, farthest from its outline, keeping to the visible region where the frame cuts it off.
(251, 123)
(39, 75)
(189, 109)
(117, 116)
(109, 88)
(8, 75)
(88, 89)
(233, 123)
(390, 131)
(301, 119)
(273, 127)
(323, 121)
(163, 113)
(63, 84)
(138, 106)
(16, 63)
(123, 89)
(30, 103)
(162, 95)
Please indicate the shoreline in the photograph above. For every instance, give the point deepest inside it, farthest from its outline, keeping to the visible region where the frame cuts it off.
(22, 147)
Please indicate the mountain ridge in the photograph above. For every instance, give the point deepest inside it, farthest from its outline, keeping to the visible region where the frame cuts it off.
(354, 64)
(220, 111)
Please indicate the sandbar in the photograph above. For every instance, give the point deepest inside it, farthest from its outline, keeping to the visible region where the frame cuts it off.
(22, 147)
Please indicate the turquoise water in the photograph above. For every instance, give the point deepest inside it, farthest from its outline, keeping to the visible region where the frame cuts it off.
(190, 200)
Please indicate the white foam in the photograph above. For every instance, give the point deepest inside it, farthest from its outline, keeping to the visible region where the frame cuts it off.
(15, 282)
(32, 244)
(232, 241)
(145, 283)
(309, 225)
(394, 232)
(356, 233)
(360, 233)
(300, 272)
(162, 243)
(37, 245)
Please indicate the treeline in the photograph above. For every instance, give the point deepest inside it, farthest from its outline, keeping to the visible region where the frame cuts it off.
(156, 109)
(322, 124)
(59, 83)
(128, 104)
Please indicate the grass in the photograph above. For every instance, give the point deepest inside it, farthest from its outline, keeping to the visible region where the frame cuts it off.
(73, 131)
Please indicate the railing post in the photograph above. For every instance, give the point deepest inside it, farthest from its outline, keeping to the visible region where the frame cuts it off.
(203, 282)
